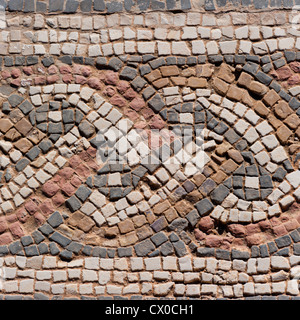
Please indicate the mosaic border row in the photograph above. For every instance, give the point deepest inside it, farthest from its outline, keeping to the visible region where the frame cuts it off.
(110, 7)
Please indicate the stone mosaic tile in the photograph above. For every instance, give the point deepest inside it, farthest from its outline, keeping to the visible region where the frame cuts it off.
(149, 155)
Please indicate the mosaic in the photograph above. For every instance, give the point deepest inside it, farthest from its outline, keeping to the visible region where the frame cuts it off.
(149, 149)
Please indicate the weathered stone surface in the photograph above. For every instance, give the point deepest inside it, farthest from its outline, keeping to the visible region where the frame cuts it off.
(204, 207)
(80, 89)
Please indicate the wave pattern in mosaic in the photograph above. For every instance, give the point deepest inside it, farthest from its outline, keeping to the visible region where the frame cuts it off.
(144, 160)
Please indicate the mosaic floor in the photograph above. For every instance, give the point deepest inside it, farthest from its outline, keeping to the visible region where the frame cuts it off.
(149, 149)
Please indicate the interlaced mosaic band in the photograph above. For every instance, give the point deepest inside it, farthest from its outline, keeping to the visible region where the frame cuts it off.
(149, 149)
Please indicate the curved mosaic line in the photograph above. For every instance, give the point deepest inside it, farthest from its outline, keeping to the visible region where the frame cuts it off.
(237, 199)
(158, 147)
